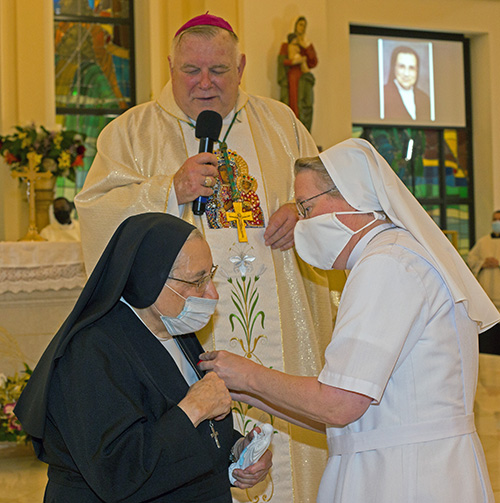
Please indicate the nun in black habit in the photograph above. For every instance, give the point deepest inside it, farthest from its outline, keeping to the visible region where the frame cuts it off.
(116, 405)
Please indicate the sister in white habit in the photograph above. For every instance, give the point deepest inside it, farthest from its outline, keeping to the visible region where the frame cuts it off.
(397, 390)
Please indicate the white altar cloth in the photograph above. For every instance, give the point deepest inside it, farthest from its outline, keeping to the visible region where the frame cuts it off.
(39, 285)
(28, 266)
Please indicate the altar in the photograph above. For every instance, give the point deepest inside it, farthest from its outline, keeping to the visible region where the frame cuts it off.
(39, 285)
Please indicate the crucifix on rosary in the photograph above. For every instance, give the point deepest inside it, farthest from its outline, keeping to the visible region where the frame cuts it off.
(181, 344)
(214, 434)
(237, 215)
(30, 174)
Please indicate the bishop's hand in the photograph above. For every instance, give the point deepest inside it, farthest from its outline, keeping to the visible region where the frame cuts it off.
(279, 232)
(196, 177)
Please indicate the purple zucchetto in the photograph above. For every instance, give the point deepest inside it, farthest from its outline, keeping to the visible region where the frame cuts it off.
(205, 19)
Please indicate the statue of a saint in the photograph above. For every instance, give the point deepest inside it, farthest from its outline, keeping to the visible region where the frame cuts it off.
(296, 58)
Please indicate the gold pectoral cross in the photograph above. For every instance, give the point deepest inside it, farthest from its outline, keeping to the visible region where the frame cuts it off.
(239, 216)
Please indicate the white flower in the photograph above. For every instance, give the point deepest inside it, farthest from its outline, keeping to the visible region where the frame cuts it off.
(242, 263)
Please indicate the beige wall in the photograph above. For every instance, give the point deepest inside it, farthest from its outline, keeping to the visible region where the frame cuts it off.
(26, 73)
(328, 28)
(26, 91)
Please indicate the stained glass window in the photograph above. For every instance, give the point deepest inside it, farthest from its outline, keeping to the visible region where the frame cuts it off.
(94, 64)
(425, 139)
(433, 164)
(434, 212)
(457, 220)
(457, 174)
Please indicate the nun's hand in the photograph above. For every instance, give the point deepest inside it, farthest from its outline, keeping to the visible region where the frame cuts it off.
(206, 399)
(279, 232)
(233, 369)
(254, 473)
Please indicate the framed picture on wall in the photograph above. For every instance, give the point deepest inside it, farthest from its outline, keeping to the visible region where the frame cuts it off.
(399, 78)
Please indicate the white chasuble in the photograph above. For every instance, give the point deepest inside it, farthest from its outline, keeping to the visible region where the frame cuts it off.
(247, 320)
(273, 308)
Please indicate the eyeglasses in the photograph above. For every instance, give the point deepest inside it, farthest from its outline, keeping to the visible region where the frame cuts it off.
(300, 204)
(202, 283)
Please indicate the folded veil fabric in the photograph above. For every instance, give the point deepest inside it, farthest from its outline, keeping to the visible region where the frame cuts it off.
(368, 183)
(253, 451)
(136, 264)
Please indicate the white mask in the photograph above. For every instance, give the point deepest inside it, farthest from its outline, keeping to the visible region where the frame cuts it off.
(495, 226)
(320, 240)
(194, 316)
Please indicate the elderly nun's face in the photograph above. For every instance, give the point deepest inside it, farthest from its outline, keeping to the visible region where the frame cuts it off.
(194, 263)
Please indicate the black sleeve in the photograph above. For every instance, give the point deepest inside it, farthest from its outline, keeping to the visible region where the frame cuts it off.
(126, 438)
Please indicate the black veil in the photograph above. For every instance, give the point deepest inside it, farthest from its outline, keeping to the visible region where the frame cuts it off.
(135, 264)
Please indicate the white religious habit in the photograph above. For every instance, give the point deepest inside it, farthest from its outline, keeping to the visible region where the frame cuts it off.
(56, 231)
(406, 336)
(274, 309)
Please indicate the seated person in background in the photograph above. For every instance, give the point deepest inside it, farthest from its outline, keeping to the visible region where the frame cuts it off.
(116, 405)
(63, 228)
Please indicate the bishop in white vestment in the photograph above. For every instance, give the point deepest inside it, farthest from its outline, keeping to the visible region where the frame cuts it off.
(273, 306)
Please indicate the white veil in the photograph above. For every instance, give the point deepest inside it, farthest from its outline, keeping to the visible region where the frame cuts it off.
(368, 183)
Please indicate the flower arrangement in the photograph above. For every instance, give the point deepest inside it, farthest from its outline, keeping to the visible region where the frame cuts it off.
(10, 391)
(57, 152)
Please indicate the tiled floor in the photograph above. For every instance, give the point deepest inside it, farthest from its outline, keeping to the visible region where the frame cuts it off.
(23, 478)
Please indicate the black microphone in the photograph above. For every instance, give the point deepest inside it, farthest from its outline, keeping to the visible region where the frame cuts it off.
(208, 126)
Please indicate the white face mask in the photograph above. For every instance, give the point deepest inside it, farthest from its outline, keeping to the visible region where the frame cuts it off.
(320, 240)
(194, 316)
(495, 226)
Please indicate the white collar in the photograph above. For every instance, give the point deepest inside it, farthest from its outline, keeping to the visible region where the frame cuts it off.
(363, 242)
(401, 89)
(61, 226)
(408, 97)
